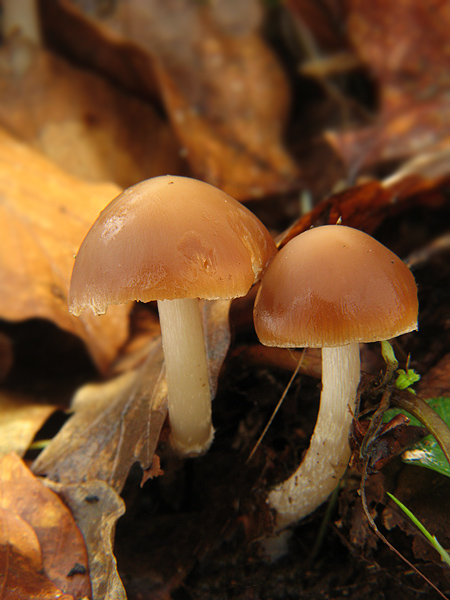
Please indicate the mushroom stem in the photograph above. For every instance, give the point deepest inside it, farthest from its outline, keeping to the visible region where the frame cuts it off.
(329, 452)
(189, 396)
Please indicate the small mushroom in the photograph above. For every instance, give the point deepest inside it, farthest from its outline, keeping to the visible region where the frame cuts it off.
(174, 240)
(331, 287)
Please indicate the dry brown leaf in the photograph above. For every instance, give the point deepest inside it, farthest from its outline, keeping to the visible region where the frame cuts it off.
(103, 50)
(96, 507)
(405, 47)
(44, 215)
(43, 531)
(20, 420)
(397, 134)
(365, 206)
(113, 425)
(118, 423)
(414, 36)
(21, 574)
(225, 92)
(80, 121)
(223, 88)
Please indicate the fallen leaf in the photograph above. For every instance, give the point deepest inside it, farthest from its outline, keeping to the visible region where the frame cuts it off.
(118, 423)
(104, 50)
(223, 88)
(144, 327)
(414, 36)
(393, 438)
(44, 215)
(21, 574)
(397, 135)
(217, 337)
(365, 206)
(113, 425)
(413, 85)
(424, 169)
(96, 507)
(45, 527)
(80, 121)
(20, 420)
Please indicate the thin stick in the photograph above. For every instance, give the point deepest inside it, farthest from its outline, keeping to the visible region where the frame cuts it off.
(279, 403)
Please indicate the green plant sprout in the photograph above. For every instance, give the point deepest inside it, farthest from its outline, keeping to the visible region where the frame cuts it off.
(406, 378)
(389, 357)
(387, 352)
(445, 557)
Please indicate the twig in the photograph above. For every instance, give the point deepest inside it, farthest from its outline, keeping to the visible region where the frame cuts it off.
(279, 403)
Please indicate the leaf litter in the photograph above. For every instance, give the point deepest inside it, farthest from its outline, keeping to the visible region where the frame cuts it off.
(44, 215)
(41, 543)
(121, 421)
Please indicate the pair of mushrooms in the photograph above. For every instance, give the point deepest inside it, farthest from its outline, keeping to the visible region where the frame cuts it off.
(176, 239)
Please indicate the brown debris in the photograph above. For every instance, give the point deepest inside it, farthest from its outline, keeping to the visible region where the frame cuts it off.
(40, 542)
(44, 215)
(80, 121)
(413, 83)
(225, 92)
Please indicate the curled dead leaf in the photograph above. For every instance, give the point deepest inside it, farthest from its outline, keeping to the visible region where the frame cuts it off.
(96, 508)
(113, 425)
(118, 422)
(365, 206)
(414, 110)
(20, 419)
(80, 121)
(224, 89)
(39, 530)
(44, 215)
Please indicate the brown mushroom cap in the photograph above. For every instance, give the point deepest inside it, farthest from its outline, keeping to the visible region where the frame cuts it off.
(165, 238)
(333, 286)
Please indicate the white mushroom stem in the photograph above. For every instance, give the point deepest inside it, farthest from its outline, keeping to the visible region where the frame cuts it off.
(189, 396)
(328, 454)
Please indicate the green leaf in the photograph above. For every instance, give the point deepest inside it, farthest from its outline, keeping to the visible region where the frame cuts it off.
(406, 378)
(426, 453)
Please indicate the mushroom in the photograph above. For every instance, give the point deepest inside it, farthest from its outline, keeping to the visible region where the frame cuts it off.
(331, 287)
(174, 240)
